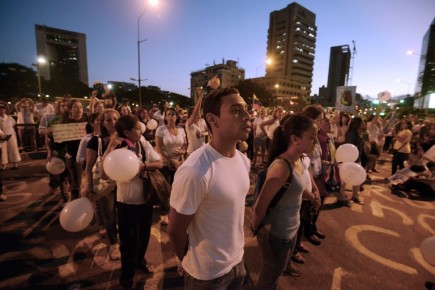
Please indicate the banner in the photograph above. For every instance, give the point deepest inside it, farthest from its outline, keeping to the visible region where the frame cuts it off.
(345, 99)
(69, 132)
(256, 104)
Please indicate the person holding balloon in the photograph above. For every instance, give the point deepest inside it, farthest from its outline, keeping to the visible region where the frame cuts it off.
(354, 137)
(105, 206)
(126, 159)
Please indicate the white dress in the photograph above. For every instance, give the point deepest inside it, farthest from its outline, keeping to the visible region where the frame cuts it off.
(10, 150)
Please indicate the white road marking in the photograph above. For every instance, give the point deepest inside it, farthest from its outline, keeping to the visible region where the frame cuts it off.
(416, 254)
(421, 218)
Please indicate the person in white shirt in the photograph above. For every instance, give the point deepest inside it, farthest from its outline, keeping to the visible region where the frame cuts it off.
(208, 199)
(159, 115)
(10, 150)
(260, 139)
(196, 129)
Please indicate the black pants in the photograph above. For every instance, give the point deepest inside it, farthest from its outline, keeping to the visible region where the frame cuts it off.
(398, 160)
(134, 223)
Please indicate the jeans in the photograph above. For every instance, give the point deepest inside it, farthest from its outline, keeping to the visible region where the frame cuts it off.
(276, 254)
(134, 223)
(398, 160)
(232, 280)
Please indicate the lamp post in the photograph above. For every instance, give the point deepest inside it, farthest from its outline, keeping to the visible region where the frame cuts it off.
(266, 63)
(41, 60)
(403, 82)
(152, 3)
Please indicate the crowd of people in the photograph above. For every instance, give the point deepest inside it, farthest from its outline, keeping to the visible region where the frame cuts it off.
(196, 152)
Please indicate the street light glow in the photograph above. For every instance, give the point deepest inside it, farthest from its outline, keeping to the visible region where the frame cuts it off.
(41, 60)
(153, 2)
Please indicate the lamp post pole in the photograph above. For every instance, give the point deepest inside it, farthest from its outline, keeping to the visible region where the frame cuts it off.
(138, 58)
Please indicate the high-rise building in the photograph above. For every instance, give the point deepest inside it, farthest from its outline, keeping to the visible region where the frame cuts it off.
(425, 88)
(290, 47)
(339, 64)
(228, 72)
(65, 53)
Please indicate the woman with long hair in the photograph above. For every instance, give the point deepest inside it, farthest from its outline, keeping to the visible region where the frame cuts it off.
(354, 136)
(342, 123)
(73, 115)
(402, 145)
(105, 207)
(296, 136)
(134, 207)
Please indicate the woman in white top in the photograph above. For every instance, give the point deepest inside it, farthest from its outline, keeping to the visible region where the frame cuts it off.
(134, 207)
(10, 150)
(196, 129)
(159, 115)
(171, 144)
(272, 123)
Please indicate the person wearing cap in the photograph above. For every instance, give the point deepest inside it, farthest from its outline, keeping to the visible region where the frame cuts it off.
(10, 150)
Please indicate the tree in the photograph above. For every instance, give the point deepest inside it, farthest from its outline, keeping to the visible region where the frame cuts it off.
(17, 81)
(247, 88)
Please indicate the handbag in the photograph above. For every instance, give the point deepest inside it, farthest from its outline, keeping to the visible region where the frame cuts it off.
(394, 151)
(100, 187)
(155, 185)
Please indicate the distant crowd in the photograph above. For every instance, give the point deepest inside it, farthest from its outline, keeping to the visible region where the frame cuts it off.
(205, 154)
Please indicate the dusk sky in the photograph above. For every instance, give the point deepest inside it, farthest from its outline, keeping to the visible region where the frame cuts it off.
(184, 35)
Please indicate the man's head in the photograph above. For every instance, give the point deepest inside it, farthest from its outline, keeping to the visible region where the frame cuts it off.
(225, 112)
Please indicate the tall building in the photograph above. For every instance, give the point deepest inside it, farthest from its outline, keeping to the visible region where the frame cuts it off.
(65, 52)
(426, 73)
(228, 72)
(290, 46)
(339, 64)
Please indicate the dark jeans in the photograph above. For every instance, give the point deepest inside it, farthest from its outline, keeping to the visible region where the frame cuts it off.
(105, 208)
(398, 160)
(75, 172)
(134, 223)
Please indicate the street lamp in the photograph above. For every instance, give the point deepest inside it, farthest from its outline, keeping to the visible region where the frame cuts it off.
(406, 83)
(266, 63)
(40, 61)
(152, 3)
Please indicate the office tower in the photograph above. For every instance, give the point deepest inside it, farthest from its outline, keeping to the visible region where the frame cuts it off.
(339, 64)
(65, 53)
(426, 72)
(290, 46)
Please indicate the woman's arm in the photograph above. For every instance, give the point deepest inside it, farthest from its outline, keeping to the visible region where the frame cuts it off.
(266, 123)
(197, 109)
(91, 158)
(277, 176)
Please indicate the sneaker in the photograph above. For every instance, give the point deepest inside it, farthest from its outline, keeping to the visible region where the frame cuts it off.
(114, 253)
(3, 197)
(146, 268)
(344, 202)
(358, 201)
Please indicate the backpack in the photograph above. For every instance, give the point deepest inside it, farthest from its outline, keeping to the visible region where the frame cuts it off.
(261, 178)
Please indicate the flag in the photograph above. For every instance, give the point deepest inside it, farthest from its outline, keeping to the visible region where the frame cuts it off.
(256, 104)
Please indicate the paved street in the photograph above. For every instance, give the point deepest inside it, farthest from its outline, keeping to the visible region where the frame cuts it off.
(373, 246)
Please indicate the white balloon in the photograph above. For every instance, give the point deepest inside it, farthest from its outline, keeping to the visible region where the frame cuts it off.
(243, 146)
(152, 124)
(346, 153)
(55, 166)
(76, 215)
(121, 165)
(352, 173)
(427, 248)
(143, 128)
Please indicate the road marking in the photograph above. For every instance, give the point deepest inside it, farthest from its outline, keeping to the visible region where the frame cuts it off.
(416, 253)
(421, 218)
(336, 278)
(380, 192)
(351, 236)
(36, 224)
(69, 268)
(419, 204)
(377, 210)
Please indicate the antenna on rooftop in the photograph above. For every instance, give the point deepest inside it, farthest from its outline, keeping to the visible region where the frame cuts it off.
(352, 60)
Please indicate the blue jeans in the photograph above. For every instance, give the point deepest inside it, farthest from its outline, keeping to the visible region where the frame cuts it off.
(276, 254)
(232, 280)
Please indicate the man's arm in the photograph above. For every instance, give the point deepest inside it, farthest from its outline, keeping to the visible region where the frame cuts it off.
(177, 232)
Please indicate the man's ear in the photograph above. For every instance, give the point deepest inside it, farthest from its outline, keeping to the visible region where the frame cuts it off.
(212, 119)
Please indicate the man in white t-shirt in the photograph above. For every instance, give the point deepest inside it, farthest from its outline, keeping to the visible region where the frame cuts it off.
(208, 199)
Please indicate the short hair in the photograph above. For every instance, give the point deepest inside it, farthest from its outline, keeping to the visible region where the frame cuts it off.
(312, 111)
(213, 102)
(127, 122)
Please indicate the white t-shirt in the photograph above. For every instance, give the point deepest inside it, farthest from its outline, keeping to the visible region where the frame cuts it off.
(192, 138)
(257, 123)
(131, 192)
(171, 142)
(159, 117)
(213, 189)
(48, 109)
